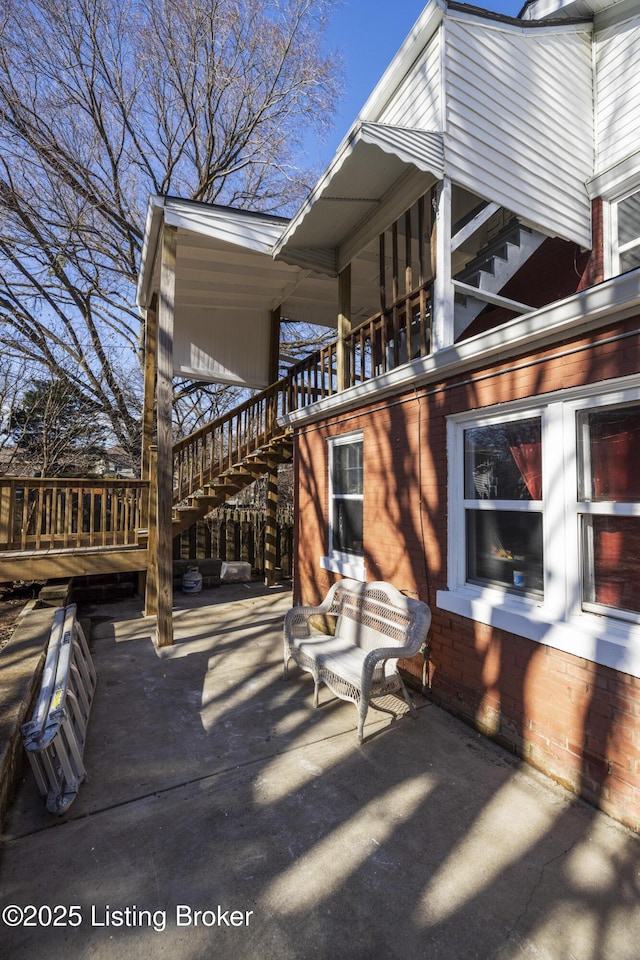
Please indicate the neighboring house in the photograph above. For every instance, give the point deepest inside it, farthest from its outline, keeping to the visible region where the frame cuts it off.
(15, 463)
(480, 445)
(116, 462)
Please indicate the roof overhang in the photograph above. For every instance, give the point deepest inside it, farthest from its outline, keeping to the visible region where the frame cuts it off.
(227, 285)
(369, 163)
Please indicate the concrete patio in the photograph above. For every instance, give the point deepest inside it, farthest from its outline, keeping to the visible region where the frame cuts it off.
(225, 817)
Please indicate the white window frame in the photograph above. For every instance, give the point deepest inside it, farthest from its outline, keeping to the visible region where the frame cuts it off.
(559, 619)
(346, 564)
(614, 249)
(515, 506)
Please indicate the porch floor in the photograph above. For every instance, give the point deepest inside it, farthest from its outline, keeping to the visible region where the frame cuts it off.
(215, 786)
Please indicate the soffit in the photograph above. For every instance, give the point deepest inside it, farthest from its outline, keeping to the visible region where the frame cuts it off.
(372, 160)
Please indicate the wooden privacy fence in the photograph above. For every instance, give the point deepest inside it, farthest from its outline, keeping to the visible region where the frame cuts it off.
(45, 514)
(237, 534)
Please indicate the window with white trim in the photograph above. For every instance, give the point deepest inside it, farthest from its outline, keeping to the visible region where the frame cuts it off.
(625, 233)
(346, 496)
(608, 439)
(544, 521)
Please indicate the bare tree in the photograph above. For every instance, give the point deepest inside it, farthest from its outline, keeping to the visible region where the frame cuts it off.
(56, 429)
(103, 102)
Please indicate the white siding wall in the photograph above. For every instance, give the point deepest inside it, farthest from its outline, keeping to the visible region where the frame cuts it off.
(417, 101)
(519, 120)
(617, 93)
(223, 346)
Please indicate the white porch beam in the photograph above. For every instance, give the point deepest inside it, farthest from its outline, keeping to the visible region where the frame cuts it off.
(468, 291)
(474, 224)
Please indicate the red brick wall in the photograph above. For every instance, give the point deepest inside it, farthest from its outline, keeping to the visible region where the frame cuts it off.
(576, 721)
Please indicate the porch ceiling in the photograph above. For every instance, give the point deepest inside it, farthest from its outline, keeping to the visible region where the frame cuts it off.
(224, 261)
(227, 285)
(370, 162)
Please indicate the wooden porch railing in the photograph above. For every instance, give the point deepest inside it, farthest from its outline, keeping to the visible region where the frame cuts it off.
(46, 514)
(374, 347)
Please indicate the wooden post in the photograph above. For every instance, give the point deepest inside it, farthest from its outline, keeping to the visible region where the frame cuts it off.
(151, 586)
(274, 347)
(164, 630)
(6, 501)
(150, 373)
(270, 526)
(230, 538)
(382, 268)
(344, 326)
(148, 404)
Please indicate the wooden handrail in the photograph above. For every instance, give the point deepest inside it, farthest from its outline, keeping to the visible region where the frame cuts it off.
(49, 513)
(46, 513)
(375, 346)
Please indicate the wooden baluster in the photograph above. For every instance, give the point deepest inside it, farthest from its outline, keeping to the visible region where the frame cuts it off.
(408, 281)
(424, 347)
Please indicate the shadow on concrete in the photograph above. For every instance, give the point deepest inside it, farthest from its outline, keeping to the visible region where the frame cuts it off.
(216, 787)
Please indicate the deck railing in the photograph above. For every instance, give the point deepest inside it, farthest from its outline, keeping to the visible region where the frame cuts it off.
(374, 347)
(45, 514)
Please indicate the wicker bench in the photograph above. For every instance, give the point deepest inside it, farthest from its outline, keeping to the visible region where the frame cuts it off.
(374, 625)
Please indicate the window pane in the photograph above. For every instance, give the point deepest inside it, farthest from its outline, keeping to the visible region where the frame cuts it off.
(503, 461)
(610, 462)
(504, 547)
(630, 259)
(612, 560)
(347, 468)
(629, 219)
(347, 526)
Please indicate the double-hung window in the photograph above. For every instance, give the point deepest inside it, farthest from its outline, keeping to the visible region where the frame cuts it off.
(503, 504)
(544, 520)
(346, 484)
(608, 506)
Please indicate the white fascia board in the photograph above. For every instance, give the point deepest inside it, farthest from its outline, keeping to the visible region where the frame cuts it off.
(153, 222)
(616, 298)
(253, 231)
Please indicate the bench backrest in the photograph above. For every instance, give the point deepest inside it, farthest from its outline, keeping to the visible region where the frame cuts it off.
(376, 614)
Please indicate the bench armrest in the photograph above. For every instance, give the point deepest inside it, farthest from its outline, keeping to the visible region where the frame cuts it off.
(296, 620)
(387, 653)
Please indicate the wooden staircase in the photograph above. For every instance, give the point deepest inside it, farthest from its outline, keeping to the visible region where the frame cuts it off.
(230, 482)
(56, 527)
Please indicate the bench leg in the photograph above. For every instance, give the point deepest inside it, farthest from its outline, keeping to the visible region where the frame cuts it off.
(408, 700)
(363, 708)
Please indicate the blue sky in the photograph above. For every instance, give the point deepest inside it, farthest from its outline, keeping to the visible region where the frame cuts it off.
(369, 32)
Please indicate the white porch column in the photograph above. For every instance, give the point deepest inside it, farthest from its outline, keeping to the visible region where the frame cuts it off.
(442, 318)
(344, 326)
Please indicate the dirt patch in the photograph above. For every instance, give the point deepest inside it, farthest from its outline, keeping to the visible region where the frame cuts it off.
(13, 599)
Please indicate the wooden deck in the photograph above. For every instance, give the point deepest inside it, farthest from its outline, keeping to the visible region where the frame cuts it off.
(70, 562)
